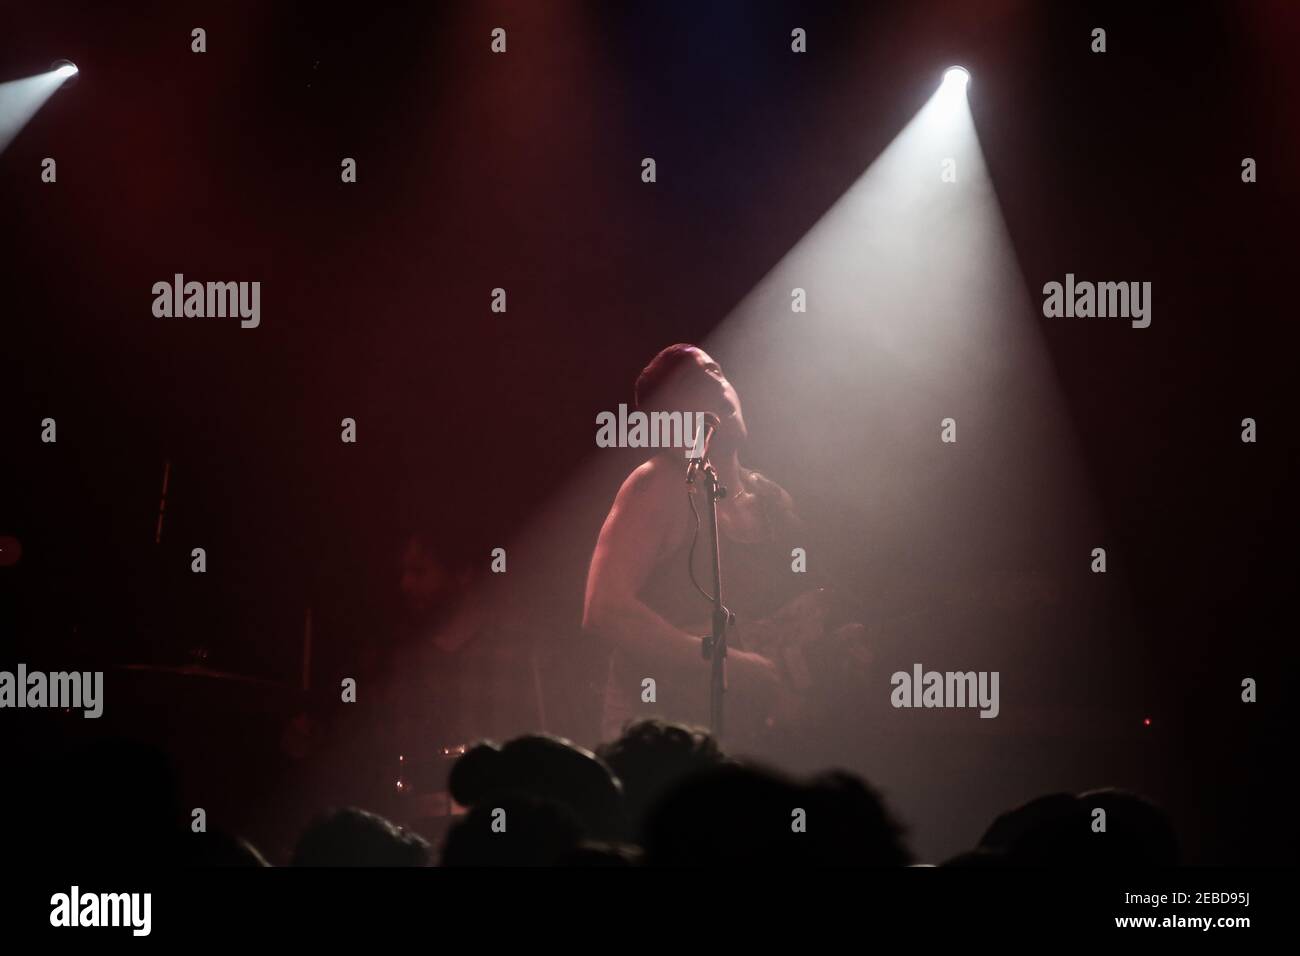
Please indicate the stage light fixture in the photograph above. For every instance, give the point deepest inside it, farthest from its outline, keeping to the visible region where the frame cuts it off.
(64, 70)
(956, 75)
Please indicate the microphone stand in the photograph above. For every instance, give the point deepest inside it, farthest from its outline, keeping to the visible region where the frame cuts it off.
(715, 645)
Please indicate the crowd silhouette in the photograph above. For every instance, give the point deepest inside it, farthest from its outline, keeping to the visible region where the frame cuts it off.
(662, 794)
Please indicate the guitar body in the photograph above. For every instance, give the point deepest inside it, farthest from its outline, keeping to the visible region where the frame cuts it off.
(822, 656)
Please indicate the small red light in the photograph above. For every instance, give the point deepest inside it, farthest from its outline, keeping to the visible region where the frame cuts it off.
(1146, 721)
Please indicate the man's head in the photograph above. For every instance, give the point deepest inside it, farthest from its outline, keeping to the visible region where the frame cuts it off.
(425, 579)
(685, 378)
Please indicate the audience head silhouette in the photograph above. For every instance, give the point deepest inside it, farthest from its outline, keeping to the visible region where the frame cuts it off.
(514, 830)
(1063, 829)
(751, 816)
(352, 837)
(546, 768)
(650, 758)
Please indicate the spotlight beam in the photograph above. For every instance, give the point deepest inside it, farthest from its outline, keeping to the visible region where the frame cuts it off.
(21, 99)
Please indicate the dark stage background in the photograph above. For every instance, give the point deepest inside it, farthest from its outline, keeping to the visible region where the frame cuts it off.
(474, 428)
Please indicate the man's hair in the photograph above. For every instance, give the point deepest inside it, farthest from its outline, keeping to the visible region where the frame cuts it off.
(660, 372)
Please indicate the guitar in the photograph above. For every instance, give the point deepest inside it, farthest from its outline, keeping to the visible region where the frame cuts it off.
(821, 654)
(825, 652)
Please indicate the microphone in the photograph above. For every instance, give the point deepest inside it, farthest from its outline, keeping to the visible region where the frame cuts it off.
(699, 450)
